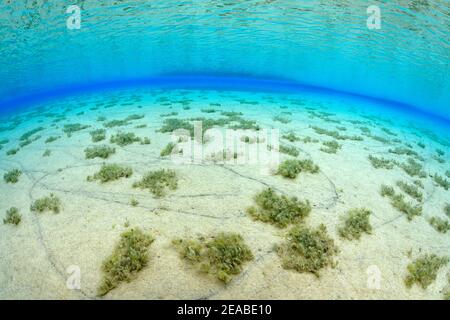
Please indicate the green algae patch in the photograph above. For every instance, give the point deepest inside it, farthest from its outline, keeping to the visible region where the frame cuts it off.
(29, 141)
(439, 224)
(158, 182)
(27, 135)
(387, 191)
(441, 181)
(111, 172)
(423, 271)
(168, 149)
(411, 190)
(115, 123)
(282, 119)
(12, 216)
(208, 110)
(413, 168)
(172, 124)
(355, 223)
(404, 151)
(335, 134)
(12, 176)
(278, 210)
(128, 258)
(145, 141)
(170, 114)
(398, 202)
(447, 209)
(123, 139)
(121, 122)
(52, 139)
(381, 163)
(71, 128)
(331, 146)
(221, 256)
(102, 152)
(291, 136)
(389, 132)
(12, 151)
(133, 117)
(289, 150)
(231, 114)
(47, 153)
(98, 135)
(292, 167)
(134, 202)
(49, 203)
(380, 139)
(307, 250)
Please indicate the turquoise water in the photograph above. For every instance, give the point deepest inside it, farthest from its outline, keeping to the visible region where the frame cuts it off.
(321, 43)
(224, 150)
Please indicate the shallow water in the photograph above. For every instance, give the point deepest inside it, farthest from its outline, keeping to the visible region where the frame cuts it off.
(212, 195)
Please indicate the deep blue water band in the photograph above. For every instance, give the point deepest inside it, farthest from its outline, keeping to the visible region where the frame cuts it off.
(226, 82)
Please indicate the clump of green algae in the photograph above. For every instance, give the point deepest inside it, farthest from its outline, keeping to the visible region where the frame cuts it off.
(411, 190)
(12, 151)
(48, 203)
(290, 150)
(278, 210)
(221, 256)
(158, 181)
(12, 176)
(168, 149)
(52, 139)
(413, 168)
(335, 134)
(103, 152)
(98, 135)
(291, 136)
(447, 209)
(379, 163)
(123, 139)
(307, 249)
(111, 172)
(423, 271)
(441, 181)
(331, 146)
(355, 223)
(27, 135)
(292, 167)
(398, 202)
(439, 224)
(128, 258)
(12, 216)
(70, 128)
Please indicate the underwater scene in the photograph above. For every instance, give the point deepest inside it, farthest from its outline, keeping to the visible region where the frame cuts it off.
(231, 154)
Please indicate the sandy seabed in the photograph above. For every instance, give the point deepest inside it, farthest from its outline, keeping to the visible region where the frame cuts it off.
(212, 197)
